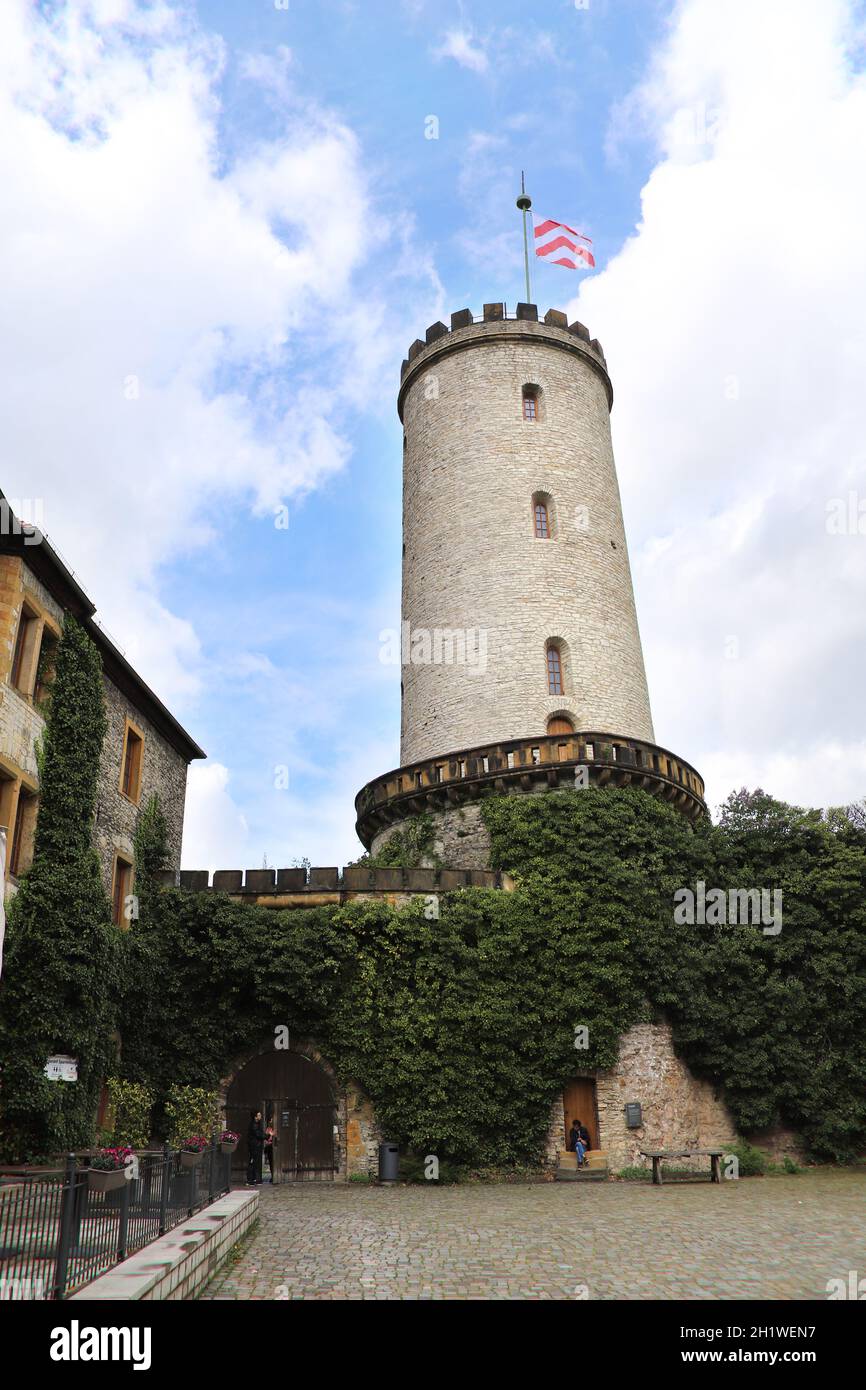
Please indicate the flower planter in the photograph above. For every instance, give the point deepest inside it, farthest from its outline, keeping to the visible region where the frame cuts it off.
(105, 1179)
(189, 1160)
(229, 1147)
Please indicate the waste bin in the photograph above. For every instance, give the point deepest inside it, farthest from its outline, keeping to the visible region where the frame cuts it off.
(389, 1162)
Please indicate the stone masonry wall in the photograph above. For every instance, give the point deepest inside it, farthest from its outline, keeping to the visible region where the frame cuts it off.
(471, 560)
(462, 839)
(678, 1110)
(163, 771)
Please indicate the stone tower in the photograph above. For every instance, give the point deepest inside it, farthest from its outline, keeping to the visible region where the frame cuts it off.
(521, 661)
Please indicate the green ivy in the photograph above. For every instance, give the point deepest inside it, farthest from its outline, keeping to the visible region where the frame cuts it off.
(62, 972)
(462, 1028)
(409, 848)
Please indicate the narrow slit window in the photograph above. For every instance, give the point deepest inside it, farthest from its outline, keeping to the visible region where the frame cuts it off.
(121, 891)
(21, 855)
(130, 777)
(22, 658)
(530, 405)
(542, 522)
(554, 671)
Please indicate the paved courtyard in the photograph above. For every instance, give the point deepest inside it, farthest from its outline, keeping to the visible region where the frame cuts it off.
(779, 1238)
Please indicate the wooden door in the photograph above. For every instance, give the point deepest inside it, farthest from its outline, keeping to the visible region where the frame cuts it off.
(297, 1095)
(559, 724)
(578, 1102)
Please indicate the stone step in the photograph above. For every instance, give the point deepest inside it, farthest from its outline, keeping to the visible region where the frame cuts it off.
(596, 1168)
(581, 1174)
(595, 1158)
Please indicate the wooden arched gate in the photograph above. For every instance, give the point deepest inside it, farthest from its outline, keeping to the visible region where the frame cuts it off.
(297, 1095)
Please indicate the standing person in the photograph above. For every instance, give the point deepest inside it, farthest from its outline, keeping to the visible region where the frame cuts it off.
(255, 1144)
(270, 1136)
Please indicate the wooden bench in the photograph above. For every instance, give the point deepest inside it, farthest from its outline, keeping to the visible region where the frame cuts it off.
(714, 1155)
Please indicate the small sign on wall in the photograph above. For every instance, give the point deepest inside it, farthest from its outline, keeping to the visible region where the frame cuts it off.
(62, 1068)
(633, 1118)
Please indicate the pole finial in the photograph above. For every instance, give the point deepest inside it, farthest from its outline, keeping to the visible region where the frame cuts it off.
(525, 203)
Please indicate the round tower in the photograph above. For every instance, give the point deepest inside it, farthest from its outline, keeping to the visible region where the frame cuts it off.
(521, 661)
(513, 537)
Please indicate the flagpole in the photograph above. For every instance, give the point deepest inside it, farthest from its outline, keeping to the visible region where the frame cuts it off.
(525, 203)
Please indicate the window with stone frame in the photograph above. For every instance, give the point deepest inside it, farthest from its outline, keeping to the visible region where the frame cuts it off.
(554, 670)
(23, 833)
(130, 772)
(120, 890)
(22, 675)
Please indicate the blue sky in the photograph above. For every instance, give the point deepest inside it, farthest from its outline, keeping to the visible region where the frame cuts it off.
(376, 65)
(226, 225)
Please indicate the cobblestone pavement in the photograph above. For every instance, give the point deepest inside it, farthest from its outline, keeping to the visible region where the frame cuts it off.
(778, 1238)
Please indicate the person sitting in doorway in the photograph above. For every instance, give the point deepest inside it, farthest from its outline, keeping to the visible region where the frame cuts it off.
(580, 1141)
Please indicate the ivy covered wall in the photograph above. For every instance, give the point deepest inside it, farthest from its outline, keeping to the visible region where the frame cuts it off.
(461, 1028)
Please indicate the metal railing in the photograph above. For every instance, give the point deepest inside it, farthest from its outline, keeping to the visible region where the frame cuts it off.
(58, 1231)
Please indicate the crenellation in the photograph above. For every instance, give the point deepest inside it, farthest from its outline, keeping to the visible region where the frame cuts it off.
(276, 887)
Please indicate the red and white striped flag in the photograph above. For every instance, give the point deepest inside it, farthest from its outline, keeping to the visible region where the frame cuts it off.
(560, 244)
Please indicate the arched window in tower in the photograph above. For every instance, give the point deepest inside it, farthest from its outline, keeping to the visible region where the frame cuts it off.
(543, 516)
(531, 402)
(554, 670)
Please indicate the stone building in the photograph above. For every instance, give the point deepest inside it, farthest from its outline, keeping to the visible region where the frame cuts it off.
(145, 749)
(521, 659)
(522, 671)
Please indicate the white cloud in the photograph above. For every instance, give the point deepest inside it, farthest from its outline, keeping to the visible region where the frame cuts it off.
(459, 45)
(216, 834)
(733, 325)
(166, 308)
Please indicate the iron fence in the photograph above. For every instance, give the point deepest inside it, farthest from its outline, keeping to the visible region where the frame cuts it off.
(58, 1231)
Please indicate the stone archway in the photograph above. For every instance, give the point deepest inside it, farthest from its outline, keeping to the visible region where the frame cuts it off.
(324, 1132)
(296, 1093)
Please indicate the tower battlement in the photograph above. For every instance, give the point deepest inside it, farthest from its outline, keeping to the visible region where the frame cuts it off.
(494, 324)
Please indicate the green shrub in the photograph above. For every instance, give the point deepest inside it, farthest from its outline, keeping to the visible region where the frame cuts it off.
(190, 1110)
(131, 1104)
(413, 1168)
(753, 1162)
